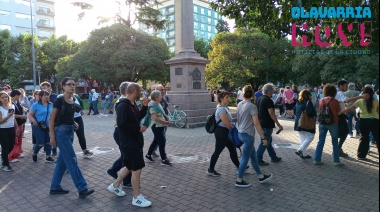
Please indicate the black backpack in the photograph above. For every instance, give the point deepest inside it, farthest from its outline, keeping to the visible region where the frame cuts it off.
(325, 116)
(211, 123)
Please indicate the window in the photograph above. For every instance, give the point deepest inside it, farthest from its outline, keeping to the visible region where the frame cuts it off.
(195, 9)
(43, 22)
(172, 49)
(26, 3)
(209, 28)
(202, 27)
(4, 27)
(171, 34)
(216, 22)
(209, 12)
(203, 19)
(195, 25)
(202, 11)
(44, 34)
(202, 34)
(196, 33)
(215, 14)
(195, 17)
(171, 10)
(23, 30)
(209, 20)
(171, 26)
(4, 13)
(209, 36)
(23, 16)
(163, 12)
(44, 9)
(171, 18)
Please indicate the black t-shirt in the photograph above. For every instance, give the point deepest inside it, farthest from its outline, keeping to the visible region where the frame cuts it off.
(65, 112)
(264, 103)
(19, 111)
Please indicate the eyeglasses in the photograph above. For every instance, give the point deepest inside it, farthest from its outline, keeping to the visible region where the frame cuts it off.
(6, 89)
(70, 84)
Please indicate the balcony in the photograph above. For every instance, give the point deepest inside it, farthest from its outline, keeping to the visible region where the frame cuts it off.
(45, 24)
(45, 11)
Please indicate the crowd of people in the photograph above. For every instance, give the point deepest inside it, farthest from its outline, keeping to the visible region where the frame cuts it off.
(55, 118)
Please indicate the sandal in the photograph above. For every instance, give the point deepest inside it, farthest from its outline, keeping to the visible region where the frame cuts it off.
(299, 153)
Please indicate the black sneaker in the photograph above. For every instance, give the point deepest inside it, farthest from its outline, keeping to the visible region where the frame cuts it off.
(112, 174)
(263, 163)
(34, 158)
(213, 173)
(85, 193)
(49, 160)
(127, 185)
(54, 152)
(276, 160)
(87, 153)
(265, 178)
(166, 163)
(242, 184)
(8, 168)
(58, 191)
(149, 158)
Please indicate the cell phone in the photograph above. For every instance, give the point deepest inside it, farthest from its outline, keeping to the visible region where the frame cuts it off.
(278, 132)
(11, 110)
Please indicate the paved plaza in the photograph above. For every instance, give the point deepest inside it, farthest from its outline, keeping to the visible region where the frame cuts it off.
(297, 185)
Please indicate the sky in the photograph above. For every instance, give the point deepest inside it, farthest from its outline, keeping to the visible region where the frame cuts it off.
(67, 23)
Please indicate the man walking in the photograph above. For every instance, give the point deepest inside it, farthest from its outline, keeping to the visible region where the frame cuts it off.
(342, 124)
(131, 144)
(95, 99)
(268, 119)
(352, 114)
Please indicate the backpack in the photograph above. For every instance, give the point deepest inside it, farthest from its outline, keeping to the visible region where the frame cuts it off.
(233, 136)
(211, 123)
(325, 116)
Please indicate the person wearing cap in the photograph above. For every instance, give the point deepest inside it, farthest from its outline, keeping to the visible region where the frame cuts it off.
(342, 124)
(352, 114)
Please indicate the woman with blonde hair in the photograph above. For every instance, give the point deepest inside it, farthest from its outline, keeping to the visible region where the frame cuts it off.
(7, 132)
(306, 135)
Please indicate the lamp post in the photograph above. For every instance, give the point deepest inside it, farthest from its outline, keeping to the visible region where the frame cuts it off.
(39, 74)
(33, 56)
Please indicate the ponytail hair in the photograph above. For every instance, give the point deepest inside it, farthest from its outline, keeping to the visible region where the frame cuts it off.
(248, 92)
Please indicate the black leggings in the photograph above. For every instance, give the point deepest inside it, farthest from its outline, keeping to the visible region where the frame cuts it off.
(221, 136)
(7, 141)
(80, 133)
(343, 129)
(367, 126)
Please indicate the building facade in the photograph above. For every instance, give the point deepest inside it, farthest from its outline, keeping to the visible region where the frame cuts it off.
(205, 21)
(15, 16)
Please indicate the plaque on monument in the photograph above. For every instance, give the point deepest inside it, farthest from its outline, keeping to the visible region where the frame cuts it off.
(179, 85)
(197, 85)
(197, 76)
(178, 71)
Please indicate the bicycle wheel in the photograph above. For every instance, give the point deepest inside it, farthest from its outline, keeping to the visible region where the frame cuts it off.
(180, 119)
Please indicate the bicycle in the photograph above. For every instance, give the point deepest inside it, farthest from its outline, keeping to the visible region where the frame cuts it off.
(178, 117)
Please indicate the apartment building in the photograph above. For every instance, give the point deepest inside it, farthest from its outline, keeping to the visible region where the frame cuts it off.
(205, 21)
(15, 16)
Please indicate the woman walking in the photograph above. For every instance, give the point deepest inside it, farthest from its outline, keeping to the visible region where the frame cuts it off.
(369, 121)
(159, 121)
(7, 132)
(20, 119)
(31, 102)
(39, 115)
(61, 126)
(247, 121)
(329, 93)
(224, 119)
(304, 103)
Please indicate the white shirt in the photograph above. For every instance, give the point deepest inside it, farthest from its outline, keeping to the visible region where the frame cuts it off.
(95, 96)
(240, 95)
(341, 97)
(4, 113)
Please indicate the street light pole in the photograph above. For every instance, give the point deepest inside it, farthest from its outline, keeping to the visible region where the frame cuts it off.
(33, 53)
(39, 74)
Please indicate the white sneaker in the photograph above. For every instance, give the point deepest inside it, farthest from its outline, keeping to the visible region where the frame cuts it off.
(14, 161)
(118, 191)
(21, 156)
(141, 201)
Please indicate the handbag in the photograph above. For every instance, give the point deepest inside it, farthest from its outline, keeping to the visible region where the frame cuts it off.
(307, 122)
(42, 124)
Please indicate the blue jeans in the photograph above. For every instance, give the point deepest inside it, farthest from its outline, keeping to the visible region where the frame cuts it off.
(334, 131)
(351, 115)
(42, 140)
(66, 158)
(95, 105)
(248, 152)
(260, 151)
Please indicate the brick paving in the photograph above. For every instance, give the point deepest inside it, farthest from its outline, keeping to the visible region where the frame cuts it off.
(297, 185)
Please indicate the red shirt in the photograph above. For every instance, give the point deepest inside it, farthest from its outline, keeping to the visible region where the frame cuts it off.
(289, 96)
(333, 106)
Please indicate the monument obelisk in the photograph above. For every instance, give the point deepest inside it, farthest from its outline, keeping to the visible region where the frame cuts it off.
(187, 70)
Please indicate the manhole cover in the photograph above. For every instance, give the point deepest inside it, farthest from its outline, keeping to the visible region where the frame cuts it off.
(184, 155)
(283, 144)
(104, 149)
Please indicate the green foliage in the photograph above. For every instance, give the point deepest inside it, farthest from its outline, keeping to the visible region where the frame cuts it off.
(273, 17)
(202, 47)
(222, 26)
(247, 56)
(6, 55)
(115, 54)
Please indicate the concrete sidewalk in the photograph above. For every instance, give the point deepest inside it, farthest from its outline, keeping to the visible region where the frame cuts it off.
(297, 185)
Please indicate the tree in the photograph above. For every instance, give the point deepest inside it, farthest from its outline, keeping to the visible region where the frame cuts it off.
(114, 54)
(247, 56)
(273, 17)
(6, 55)
(202, 46)
(222, 26)
(141, 11)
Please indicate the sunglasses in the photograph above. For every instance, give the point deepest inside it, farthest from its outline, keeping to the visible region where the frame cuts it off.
(70, 84)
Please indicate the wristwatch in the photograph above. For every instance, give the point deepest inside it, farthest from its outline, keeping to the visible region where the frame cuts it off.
(263, 139)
